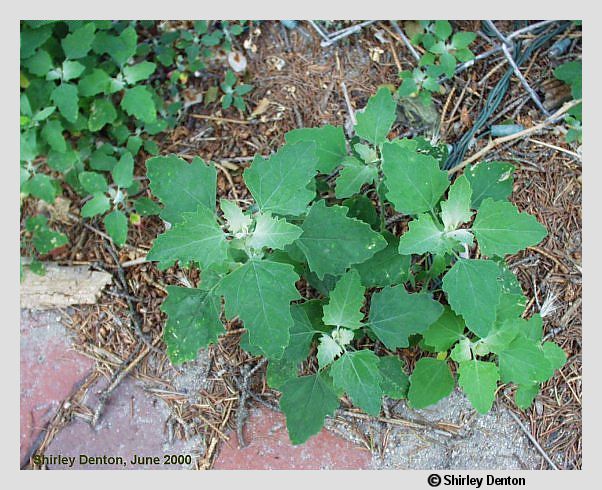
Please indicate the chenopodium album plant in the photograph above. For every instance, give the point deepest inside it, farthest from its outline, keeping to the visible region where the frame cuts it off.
(469, 323)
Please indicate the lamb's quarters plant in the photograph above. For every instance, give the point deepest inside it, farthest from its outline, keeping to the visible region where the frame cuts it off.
(463, 307)
(92, 96)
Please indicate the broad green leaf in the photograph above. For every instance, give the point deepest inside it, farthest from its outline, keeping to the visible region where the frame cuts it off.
(197, 237)
(395, 315)
(375, 121)
(120, 48)
(554, 354)
(478, 380)
(93, 182)
(146, 207)
(193, 322)
(414, 181)
(280, 183)
(138, 72)
(39, 64)
(102, 112)
(358, 374)
(461, 40)
(237, 221)
(500, 229)
(524, 362)
(425, 236)
(447, 329)
(273, 232)
(66, 99)
(533, 328)
(395, 381)
(42, 187)
(306, 401)
(77, 44)
(331, 149)
(332, 242)
(280, 371)
(95, 83)
(443, 29)
(346, 301)
(473, 292)
(116, 224)
(53, 134)
(386, 267)
(456, 210)
(181, 186)
(306, 323)
(352, 177)
(139, 103)
(490, 179)
(47, 240)
(525, 394)
(362, 208)
(72, 70)
(99, 204)
(430, 382)
(31, 39)
(123, 172)
(328, 350)
(260, 293)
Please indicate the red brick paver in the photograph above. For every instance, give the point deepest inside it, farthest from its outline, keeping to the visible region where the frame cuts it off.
(49, 371)
(269, 448)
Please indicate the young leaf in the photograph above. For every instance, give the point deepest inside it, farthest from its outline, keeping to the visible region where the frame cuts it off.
(386, 267)
(306, 401)
(273, 232)
(352, 177)
(138, 102)
(280, 183)
(456, 210)
(260, 293)
(525, 394)
(138, 72)
(181, 186)
(102, 112)
(375, 121)
(447, 329)
(500, 336)
(95, 83)
(97, 205)
(357, 373)
(332, 242)
(42, 187)
(146, 207)
(66, 99)
(328, 350)
(346, 300)
(479, 380)
(331, 149)
(93, 182)
(77, 44)
(473, 292)
(430, 382)
(462, 351)
(395, 315)
(306, 323)
(414, 181)
(123, 172)
(121, 48)
(116, 224)
(197, 238)
(236, 219)
(490, 179)
(500, 229)
(395, 381)
(193, 322)
(524, 362)
(425, 236)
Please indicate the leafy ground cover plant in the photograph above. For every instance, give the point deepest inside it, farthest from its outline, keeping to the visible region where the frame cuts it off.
(317, 279)
(92, 97)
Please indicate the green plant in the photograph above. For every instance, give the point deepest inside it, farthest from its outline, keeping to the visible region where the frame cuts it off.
(443, 51)
(233, 92)
(298, 266)
(571, 74)
(92, 96)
